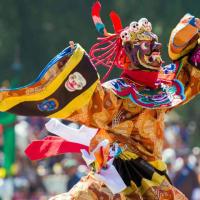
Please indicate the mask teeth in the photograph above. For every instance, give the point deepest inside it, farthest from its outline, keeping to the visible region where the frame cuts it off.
(156, 57)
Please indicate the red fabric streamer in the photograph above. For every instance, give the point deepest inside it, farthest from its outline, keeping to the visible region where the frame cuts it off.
(52, 146)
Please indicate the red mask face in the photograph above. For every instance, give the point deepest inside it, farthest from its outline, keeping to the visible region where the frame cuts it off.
(144, 54)
(141, 45)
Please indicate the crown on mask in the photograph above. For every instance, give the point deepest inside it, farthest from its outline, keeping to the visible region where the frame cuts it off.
(137, 31)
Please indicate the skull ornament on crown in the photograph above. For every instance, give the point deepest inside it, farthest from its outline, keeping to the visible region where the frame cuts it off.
(141, 45)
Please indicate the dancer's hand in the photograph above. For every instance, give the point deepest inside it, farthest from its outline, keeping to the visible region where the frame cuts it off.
(71, 44)
(197, 22)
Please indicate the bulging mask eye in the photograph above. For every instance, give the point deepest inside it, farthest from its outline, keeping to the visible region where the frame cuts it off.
(125, 35)
(143, 22)
(145, 46)
(134, 27)
(148, 27)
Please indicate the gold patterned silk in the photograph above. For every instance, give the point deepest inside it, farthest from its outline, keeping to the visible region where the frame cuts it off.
(139, 129)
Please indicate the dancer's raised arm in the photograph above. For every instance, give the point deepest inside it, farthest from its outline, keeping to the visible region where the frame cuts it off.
(184, 50)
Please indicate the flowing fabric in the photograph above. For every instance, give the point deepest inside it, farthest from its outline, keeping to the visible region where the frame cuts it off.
(56, 92)
(51, 146)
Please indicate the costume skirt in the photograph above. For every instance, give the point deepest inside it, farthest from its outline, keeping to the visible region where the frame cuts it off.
(144, 181)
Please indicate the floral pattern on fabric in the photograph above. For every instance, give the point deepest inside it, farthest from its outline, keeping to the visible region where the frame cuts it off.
(164, 96)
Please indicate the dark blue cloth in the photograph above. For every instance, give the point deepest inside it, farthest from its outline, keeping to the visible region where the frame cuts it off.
(73, 180)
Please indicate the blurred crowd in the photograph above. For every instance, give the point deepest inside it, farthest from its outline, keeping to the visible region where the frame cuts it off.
(183, 161)
(39, 180)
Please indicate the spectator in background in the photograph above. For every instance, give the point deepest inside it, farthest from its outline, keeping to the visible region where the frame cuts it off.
(169, 157)
(186, 179)
(71, 169)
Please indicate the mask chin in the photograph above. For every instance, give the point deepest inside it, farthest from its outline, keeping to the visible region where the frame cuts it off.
(154, 61)
(144, 64)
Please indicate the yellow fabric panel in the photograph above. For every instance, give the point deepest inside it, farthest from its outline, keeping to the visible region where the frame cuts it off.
(155, 181)
(127, 155)
(157, 178)
(159, 164)
(9, 102)
(76, 103)
(176, 56)
(129, 190)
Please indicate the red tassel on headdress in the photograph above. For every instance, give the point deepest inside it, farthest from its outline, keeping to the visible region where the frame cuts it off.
(108, 52)
(96, 9)
(116, 21)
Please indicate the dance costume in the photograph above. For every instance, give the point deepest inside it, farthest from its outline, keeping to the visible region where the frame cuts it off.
(122, 137)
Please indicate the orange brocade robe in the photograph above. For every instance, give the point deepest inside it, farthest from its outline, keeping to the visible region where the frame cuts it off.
(139, 129)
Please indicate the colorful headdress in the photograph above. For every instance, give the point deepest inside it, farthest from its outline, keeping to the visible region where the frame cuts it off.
(109, 51)
(135, 49)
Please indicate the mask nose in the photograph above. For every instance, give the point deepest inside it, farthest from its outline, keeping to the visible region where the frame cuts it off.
(157, 46)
